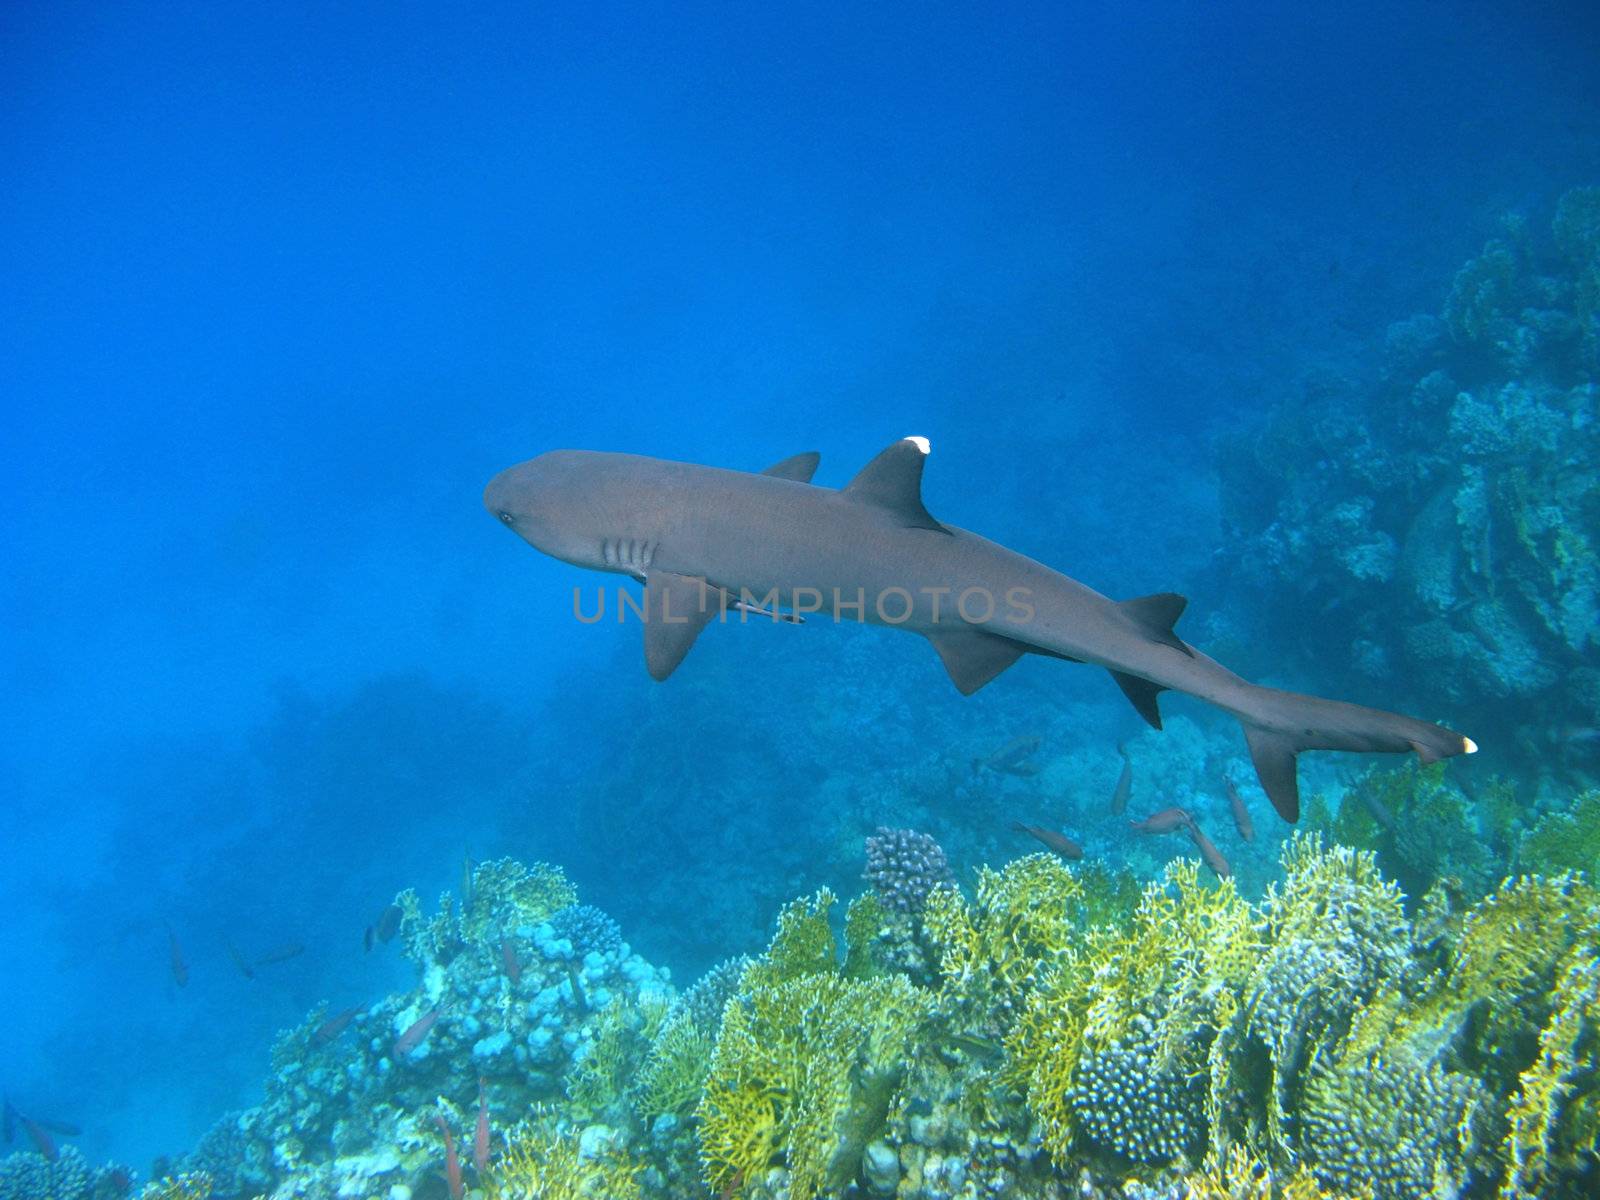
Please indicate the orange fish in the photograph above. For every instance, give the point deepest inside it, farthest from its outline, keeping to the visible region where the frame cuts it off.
(480, 1138)
(1012, 758)
(417, 1033)
(41, 1140)
(1209, 854)
(452, 1164)
(335, 1025)
(508, 956)
(1164, 821)
(1241, 814)
(1124, 788)
(1059, 842)
(180, 969)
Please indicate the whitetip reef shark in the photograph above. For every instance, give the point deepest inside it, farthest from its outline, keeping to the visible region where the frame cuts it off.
(706, 541)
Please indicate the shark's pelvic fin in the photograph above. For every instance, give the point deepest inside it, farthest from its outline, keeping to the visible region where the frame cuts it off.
(1141, 693)
(800, 467)
(1156, 615)
(676, 609)
(893, 481)
(973, 657)
(1273, 755)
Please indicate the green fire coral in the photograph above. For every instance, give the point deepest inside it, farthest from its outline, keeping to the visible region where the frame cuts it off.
(191, 1185)
(541, 1163)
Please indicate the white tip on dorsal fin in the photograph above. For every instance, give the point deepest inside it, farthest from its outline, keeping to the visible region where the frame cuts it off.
(893, 481)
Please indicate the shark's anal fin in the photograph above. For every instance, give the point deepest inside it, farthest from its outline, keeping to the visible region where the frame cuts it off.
(1156, 615)
(973, 657)
(1141, 693)
(800, 467)
(1273, 755)
(893, 481)
(676, 609)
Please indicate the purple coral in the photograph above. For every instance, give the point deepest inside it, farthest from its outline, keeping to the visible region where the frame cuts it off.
(903, 866)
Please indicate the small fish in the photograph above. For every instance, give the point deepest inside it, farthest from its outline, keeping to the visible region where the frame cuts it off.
(1124, 788)
(731, 1188)
(1012, 758)
(1373, 805)
(508, 956)
(417, 1033)
(1164, 821)
(335, 1025)
(1209, 854)
(1241, 814)
(452, 1164)
(41, 1140)
(385, 927)
(121, 1180)
(280, 954)
(480, 1138)
(64, 1129)
(1059, 842)
(180, 969)
(578, 995)
(238, 959)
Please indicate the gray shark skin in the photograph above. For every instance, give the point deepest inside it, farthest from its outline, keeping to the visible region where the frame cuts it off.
(707, 541)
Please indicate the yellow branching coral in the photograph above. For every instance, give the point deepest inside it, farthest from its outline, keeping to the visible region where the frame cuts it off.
(803, 945)
(1237, 1176)
(1551, 1123)
(541, 1163)
(506, 894)
(802, 1073)
(191, 1185)
(609, 1070)
(674, 1073)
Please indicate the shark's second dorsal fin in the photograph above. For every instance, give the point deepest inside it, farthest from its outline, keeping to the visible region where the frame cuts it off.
(799, 467)
(893, 481)
(1156, 615)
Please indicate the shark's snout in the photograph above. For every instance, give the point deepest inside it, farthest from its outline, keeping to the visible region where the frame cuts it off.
(499, 496)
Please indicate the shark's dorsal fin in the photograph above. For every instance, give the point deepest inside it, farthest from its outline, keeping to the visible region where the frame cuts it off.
(676, 609)
(893, 481)
(799, 467)
(1156, 615)
(973, 657)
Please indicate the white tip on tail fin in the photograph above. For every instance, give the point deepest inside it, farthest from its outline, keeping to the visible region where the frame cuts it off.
(921, 443)
(1472, 746)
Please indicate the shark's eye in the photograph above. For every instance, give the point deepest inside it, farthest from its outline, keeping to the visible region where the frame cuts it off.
(507, 518)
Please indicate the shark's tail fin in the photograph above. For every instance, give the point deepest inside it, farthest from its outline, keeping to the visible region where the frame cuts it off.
(1281, 724)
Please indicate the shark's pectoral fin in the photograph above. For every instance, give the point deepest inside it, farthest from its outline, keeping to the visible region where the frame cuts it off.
(800, 467)
(893, 481)
(973, 657)
(1155, 616)
(1141, 693)
(676, 609)
(1273, 755)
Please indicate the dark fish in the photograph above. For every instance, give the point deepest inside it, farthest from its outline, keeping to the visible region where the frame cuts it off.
(41, 1140)
(508, 956)
(480, 1138)
(1124, 788)
(1164, 821)
(385, 927)
(1241, 814)
(1373, 805)
(335, 1025)
(245, 968)
(1209, 854)
(1012, 758)
(64, 1129)
(1058, 842)
(417, 1033)
(121, 1180)
(452, 1164)
(279, 954)
(180, 969)
(578, 995)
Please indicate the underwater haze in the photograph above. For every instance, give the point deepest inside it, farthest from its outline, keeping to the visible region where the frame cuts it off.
(1293, 312)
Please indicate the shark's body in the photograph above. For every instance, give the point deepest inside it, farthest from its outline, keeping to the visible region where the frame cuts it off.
(705, 540)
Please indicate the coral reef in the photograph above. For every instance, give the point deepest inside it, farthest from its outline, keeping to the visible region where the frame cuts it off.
(1436, 513)
(903, 866)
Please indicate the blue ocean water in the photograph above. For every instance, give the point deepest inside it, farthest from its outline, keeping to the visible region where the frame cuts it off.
(282, 289)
